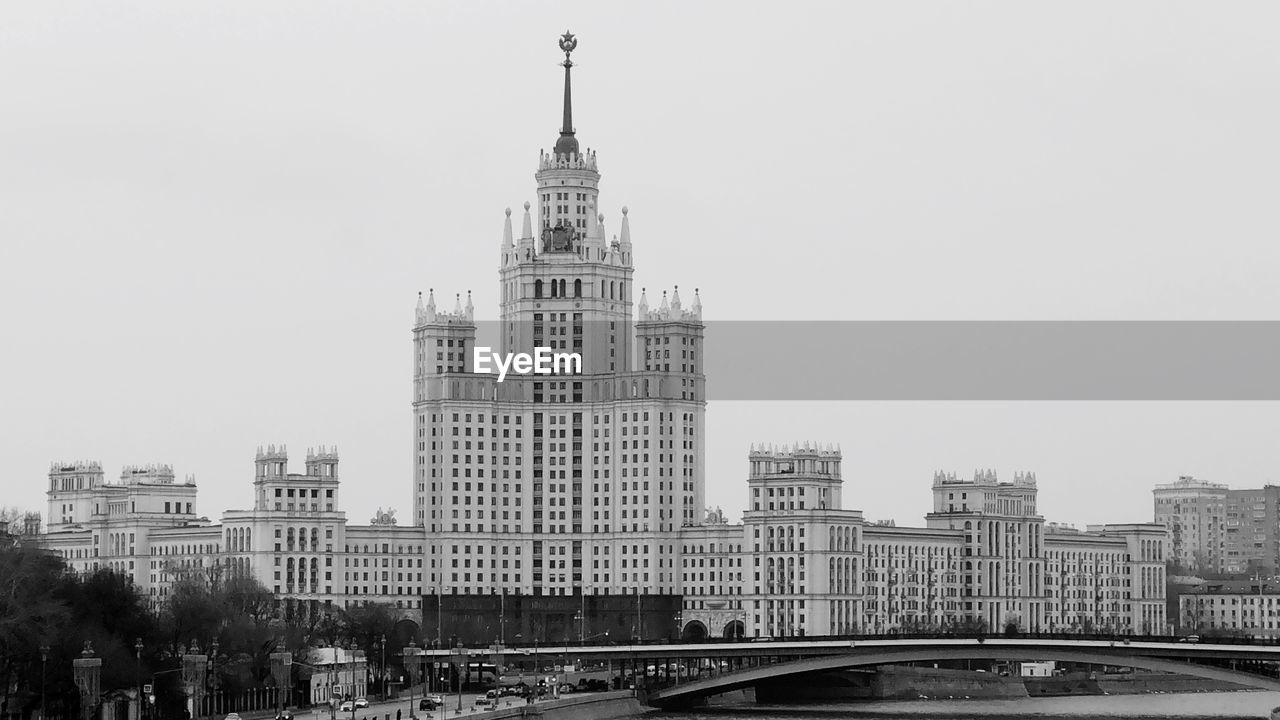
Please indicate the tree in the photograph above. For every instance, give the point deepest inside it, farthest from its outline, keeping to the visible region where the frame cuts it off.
(31, 613)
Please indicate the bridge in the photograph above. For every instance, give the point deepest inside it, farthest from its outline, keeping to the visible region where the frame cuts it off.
(679, 674)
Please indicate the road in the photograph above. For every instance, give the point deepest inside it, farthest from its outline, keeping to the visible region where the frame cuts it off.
(383, 711)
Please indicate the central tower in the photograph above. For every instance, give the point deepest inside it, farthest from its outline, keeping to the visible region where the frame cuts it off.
(571, 483)
(563, 285)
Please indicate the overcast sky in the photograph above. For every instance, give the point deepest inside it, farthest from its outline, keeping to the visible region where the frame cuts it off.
(215, 217)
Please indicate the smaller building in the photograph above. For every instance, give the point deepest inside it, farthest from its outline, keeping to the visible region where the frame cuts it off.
(345, 671)
(1247, 607)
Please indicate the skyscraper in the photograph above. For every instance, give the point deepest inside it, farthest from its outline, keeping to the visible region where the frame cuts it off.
(579, 480)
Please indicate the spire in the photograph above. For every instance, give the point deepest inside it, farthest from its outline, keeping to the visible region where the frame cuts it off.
(626, 227)
(526, 231)
(697, 303)
(457, 303)
(471, 308)
(506, 231)
(567, 144)
(427, 313)
(675, 300)
(644, 304)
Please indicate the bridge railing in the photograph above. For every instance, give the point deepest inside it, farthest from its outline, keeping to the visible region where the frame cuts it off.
(1203, 638)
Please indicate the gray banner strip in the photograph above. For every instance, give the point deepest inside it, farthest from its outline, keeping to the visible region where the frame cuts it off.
(804, 360)
(989, 360)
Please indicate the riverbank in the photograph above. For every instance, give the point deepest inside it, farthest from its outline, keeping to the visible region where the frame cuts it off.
(1250, 705)
(588, 706)
(893, 682)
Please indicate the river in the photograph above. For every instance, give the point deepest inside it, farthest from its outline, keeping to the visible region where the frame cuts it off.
(1251, 705)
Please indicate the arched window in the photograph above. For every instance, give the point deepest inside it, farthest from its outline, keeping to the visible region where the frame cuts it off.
(537, 288)
(577, 288)
(611, 290)
(555, 286)
(562, 292)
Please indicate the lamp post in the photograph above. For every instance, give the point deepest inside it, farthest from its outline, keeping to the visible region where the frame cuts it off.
(382, 666)
(333, 664)
(461, 652)
(44, 659)
(137, 671)
(409, 652)
(213, 680)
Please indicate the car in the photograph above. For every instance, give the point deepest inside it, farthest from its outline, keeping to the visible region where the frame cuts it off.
(362, 703)
(233, 716)
(1190, 639)
(436, 698)
(485, 702)
(284, 715)
(427, 703)
(347, 706)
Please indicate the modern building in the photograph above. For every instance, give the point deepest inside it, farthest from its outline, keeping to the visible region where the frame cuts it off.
(1251, 539)
(1216, 530)
(1194, 512)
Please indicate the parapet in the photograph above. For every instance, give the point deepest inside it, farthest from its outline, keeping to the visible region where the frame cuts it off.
(323, 453)
(766, 451)
(568, 161)
(151, 474)
(273, 453)
(670, 310)
(75, 467)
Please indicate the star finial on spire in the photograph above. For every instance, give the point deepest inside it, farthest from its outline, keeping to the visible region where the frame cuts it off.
(567, 43)
(567, 145)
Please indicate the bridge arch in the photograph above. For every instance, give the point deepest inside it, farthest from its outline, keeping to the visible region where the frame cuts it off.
(735, 629)
(688, 693)
(694, 630)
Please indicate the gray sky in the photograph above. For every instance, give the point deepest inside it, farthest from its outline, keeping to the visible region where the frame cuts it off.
(215, 217)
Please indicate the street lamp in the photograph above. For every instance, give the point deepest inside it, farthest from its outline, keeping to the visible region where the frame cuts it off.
(213, 679)
(44, 658)
(382, 666)
(409, 652)
(137, 671)
(461, 652)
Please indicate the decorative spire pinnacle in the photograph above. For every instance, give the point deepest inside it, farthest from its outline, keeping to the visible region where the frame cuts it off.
(644, 304)
(675, 300)
(420, 307)
(526, 231)
(457, 303)
(567, 144)
(431, 299)
(506, 231)
(626, 227)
